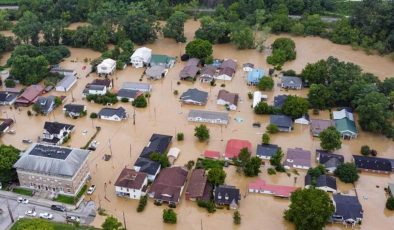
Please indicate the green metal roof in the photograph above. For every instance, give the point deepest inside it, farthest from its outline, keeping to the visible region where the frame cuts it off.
(344, 124)
(159, 58)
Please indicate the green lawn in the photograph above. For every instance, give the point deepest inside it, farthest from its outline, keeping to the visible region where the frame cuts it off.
(209, 163)
(27, 223)
(23, 191)
(70, 199)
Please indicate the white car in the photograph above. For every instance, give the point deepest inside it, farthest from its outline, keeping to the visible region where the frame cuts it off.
(31, 213)
(72, 219)
(91, 189)
(46, 215)
(22, 200)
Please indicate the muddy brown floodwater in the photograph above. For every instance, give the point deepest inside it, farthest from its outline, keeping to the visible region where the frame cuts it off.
(166, 115)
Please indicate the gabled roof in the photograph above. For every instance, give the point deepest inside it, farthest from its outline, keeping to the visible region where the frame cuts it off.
(189, 71)
(250, 65)
(212, 115)
(7, 96)
(5, 123)
(279, 101)
(329, 159)
(267, 150)
(197, 183)
(103, 82)
(255, 75)
(281, 121)
(131, 179)
(31, 93)
(74, 108)
(298, 156)
(322, 181)
(109, 112)
(143, 53)
(128, 93)
(231, 98)
(337, 115)
(195, 95)
(291, 81)
(45, 104)
(155, 71)
(136, 86)
(345, 125)
(347, 206)
(108, 62)
(158, 143)
(56, 127)
(373, 163)
(229, 63)
(318, 125)
(234, 146)
(227, 194)
(276, 190)
(161, 58)
(208, 70)
(147, 166)
(193, 62)
(211, 154)
(168, 184)
(67, 81)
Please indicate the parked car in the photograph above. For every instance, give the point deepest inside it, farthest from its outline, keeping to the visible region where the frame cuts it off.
(22, 200)
(59, 208)
(72, 219)
(91, 189)
(256, 125)
(31, 213)
(46, 215)
(27, 141)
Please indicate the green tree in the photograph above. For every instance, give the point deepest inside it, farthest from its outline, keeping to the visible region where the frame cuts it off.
(320, 96)
(140, 102)
(216, 176)
(343, 33)
(252, 167)
(313, 25)
(309, 209)
(111, 223)
(201, 132)
(140, 26)
(317, 171)
(214, 31)
(265, 139)
(58, 101)
(29, 70)
(298, 29)
(5, 23)
(365, 150)
(330, 139)
(169, 216)
(174, 27)
(98, 39)
(276, 160)
(265, 83)
(272, 128)
(283, 49)
(160, 158)
(347, 172)
(8, 157)
(242, 37)
(390, 203)
(237, 217)
(387, 86)
(33, 224)
(316, 73)
(52, 31)
(295, 106)
(199, 49)
(28, 28)
(263, 108)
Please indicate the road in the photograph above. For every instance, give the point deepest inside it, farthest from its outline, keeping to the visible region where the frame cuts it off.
(85, 212)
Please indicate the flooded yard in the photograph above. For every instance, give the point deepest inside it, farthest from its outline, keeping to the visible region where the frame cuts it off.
(165, 115)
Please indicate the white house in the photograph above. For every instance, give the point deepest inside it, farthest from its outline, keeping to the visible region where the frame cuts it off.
(227, 98)
(141, 57)
(111, 114)
(94, 90)
(258, 97)
(304, 120)
(66, 83)
(131, 184)
(55, 133)
(106, 67)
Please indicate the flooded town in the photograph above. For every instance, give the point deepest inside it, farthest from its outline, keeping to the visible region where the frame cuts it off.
(107, 146)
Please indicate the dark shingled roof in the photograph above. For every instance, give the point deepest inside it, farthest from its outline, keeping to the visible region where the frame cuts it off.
(74, 108)
(147, 166)
(279, 101)
(168, 184)
(108, 112)
(227, 191)
(56, 127)
(347, 206)
(373, 163)
(322, 181)
(158, 143)
(281, 120)
(131, 179)
(329, 159)
(266, 150)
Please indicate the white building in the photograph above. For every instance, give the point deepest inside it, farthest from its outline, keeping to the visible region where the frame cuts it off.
(141, 57)
(131, 184)
(258, 97)
(66, 83)
(112, 114)
(106, 67)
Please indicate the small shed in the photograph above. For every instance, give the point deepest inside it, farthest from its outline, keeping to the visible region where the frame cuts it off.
(173, 154)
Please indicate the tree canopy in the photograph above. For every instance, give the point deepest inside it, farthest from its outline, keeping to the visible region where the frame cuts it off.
(330, 139)
(174, 27)
(199, 49)
(216, 176)
(283, 49)
(8, 157)
(201, 132)
(347, 172)
(111, 223)
(295, 106)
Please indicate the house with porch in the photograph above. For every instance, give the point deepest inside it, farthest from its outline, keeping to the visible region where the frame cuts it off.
(55, 133)
(207, 74)
(30, 95)
(227, 70)
(162, 60)
(345, 124)
(283, 122)
(45, 105)
(348, 209)
(266, 151)
(112, 114)
(291, 82)
(330, 160)
(297, 158)
(131, 184)
(141, 57)
(74, 110)
(323, 182)
(106, 67)
(194, 97)
(230, 100)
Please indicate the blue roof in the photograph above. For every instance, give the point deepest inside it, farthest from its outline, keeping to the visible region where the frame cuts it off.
(255, 75)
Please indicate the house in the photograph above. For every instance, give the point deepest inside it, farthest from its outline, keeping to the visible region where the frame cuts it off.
(66, 83)
(59, 70)
(260, 186)
(94, 90)
(162, 60)
(112, 114)
(158, 143)
(283, 122)
(105, 82)
(228, 99)
(207, 74)
(140, 86)
(141, 57)
(131, 184)
(29, 96)
(53, 169)
(45, 105)
(234, 146)
(391, 189)
(204, 116)
(194, 97)
(266, 151)
(7, 98)
(74, 110)
(56, 133)
(318, 126)
(198, 187)
(227, 195)
(48, 88)
(188, 72)
(304, 120)
(346, 127)
(168, 186)
(5, 124)
(106, 67)
(258, 97)
(330, 160)
(279, 101)
(297, 158)
(173, 154)
(323, 182)
(156, 72)
(212, 154)
(344, 113)
(227, 70)
(147, 166)
(129, 94)
(247, 67)
(291, 82)
(348, 209)
(373, 164)
(255, 76)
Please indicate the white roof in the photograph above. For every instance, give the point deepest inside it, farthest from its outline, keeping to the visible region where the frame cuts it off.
(108, 62)
(337, 115)
(257, 96)
(143, 52)
(174, 152)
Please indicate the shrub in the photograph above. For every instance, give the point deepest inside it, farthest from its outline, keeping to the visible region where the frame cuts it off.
(9, 83)
(374, 152)
(180, 136)
(190, 164)
(271, 128)
(223, 85)
(265, 138)
(390, 203)
(347, 172)
(208, 205)
(140, 102)
(201, 132)
(169, 216)
(271, 171)
(176, 92)
(365, 150)
(124, 100)
(93, 115)
(29, 113)
(142, 203)
(250, 95)
(237, 217)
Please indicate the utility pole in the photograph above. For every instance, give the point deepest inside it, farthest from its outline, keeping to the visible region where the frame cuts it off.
(124, 222)
(130, 151)
(134, 117)
(9, 211)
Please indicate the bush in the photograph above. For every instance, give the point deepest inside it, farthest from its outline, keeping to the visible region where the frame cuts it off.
(201, 132)
(347, 173)
(142, 203)
(180, 136)
(169, 216)
(29, 113)
(271, 171)
(176, 92)
(223, 85)
(365, 150)
(9, 83)
(265, 83)
(271, 128)
(93, 115)
(250, 95)
(208, 205)
(374, 152)
(124, 100)
(237, 217)
(390, 203)
(265, 139)
(283, 49)
(23, 191)
(190, 164)
(108, 98)
(140, 102)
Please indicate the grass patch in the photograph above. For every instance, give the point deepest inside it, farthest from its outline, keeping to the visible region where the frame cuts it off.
(45, 224)
(209, 163)
(65, 199)
(82, 191)
(23, 191)
(92, 138)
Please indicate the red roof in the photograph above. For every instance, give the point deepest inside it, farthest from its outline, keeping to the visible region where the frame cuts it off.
(212, 154)
(276, 190)
(234, 146)
(30, 94)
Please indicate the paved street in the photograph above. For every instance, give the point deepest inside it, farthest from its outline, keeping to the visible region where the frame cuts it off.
(85, 212)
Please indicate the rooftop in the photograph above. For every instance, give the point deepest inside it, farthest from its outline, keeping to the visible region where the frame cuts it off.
(234, 146)
(158, 143)
(373, 163)
(131, 179)
(276, 190)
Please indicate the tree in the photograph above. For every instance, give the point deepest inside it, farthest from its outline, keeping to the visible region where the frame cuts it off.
(317, 171)
(214, 31)
(313, 25)
(347, 172)
(111, 223)
(93, 115)
(309, 209)
(365, 150)
(390, 203)
(265, 83)
(29, 70)
(174, 27)
(283, 49)
(8, 157)
(316, 73)
(140, 102)
(330, 139)
(295, 106)
(180, 136)
(265, 139)
(237, 217)
(98, 39)
(140, 26)
(272, 128)
(33, 224)
(216, 176)
(252, 167)
(298, 29)
(320, 96)
(169, 216)
(242, 37)
(28, 28)
(199, 49)
(160, 158)
(52, 31)
(276, 160)
(263, 108)
(58, 101)
(201, 132)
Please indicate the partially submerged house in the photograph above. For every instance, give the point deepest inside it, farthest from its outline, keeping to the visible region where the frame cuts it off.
(66, 83)
(227, 195)
(190, 70)
(344, 123)
(173, 154)
(330, 160)
(168, 186)
(131, 184)
(234, 147)
(323, 182)
(207, 73)
(194, 97)
(198, 187)
(8, 98)
(56, 133)
(304, 120)
(141, 57)
(260, 186)
(97, 87)
(204, 116)
(318, 126)
(266, 151)
(140, 86)
(373, 164)
(146, 165)
(297, 158)
(112, 114)
(59, 70)
(156, 72)
(247, 67)
(158, 143)
(227, 70)
(74, 110)
(255, 76)
(45, 105)
(128, 94)
(5, 124)
(30, 95)
(279, 101)
(106, 67)
(162, 60)
(283, 122)
(291, 82)
(258, 97)
(348, 209)
(228, 99)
